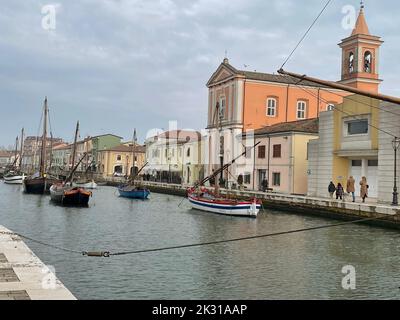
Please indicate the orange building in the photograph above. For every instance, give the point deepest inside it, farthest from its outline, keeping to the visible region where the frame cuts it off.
(252, 100)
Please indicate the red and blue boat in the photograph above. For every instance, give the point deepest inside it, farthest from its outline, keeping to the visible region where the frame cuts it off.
(205, 200)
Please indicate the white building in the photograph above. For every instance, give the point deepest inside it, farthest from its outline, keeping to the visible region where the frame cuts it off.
(174, 156)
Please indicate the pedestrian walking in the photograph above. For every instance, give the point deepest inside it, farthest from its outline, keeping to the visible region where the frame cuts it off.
(364, 188)
(351, 187)
(331, 189)
(264, 185)
(339, 191)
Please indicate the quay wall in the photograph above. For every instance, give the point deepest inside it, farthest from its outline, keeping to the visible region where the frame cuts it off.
(23, 276)
(388, 215)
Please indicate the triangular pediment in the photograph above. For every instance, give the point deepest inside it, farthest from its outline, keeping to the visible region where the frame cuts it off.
(224, 72)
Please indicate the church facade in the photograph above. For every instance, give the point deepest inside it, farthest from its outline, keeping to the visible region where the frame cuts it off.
(356, 138)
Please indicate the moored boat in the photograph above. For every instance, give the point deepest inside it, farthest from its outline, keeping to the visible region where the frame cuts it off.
(133, 192)
(41, 182)
(87, 185)
(14, 178)
(203, 199)
(67, 195)
(206, 201)
(130, 190)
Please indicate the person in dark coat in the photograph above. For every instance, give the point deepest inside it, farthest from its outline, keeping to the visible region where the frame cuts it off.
(339, 191)
(331, 189)
(264, 185)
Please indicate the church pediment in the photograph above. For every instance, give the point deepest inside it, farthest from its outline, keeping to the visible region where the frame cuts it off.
(223, 72)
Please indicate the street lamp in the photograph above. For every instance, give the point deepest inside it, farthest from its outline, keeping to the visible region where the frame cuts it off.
(395, 145)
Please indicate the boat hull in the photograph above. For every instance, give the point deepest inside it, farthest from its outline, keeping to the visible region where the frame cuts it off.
(243, 208)
(76, 197)
(70, 196)
(39, 185)
(134, 194)
(14, 179)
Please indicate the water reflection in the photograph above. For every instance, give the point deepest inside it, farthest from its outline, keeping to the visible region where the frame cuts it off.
(297, 266)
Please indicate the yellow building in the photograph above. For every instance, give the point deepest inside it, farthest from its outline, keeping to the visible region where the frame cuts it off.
(118, 161)
(348, 145)
(349, 142)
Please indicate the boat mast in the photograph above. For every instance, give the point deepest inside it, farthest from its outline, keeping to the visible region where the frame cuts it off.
(44, 141)
(133, 173)
(15, 153)
(51, 150)
(74, 149)
(21, 149)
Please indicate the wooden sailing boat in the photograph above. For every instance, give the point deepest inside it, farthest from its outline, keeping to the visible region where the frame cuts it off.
(40, 182)
(15, 175)
(64, 192)
(130, 190)
(204, 199)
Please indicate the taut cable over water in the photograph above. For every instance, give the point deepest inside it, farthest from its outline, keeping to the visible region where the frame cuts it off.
(109, 254)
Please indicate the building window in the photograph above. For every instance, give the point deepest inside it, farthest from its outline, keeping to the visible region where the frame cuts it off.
(188, 152)
(247, 178)
(222, 107)
(119, 157)
(351, 62)
(301, 110)
(357, 127)
(356, 163)
(330, 107)
(277, 150)
(367, 61)
(276, 179)
(261, 152)
(248, 152)
(166, 153)
(271, 107)
(373, 163)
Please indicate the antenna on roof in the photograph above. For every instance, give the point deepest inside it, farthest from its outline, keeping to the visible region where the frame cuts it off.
(226, 60)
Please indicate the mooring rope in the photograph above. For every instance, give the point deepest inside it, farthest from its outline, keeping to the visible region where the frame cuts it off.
(121, 253)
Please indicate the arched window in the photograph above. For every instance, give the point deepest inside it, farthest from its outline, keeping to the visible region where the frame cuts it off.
(330, 107)
(301, 109)
(368, 62)
(271, 107)
(222, 107)
(351, 62)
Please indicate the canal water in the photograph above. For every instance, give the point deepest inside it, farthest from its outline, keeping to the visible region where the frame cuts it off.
(297, 266)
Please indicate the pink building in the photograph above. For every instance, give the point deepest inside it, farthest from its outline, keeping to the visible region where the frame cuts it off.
(281, 157)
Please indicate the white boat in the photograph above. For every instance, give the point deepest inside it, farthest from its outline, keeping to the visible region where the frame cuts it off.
(207, 202)
(12, 178)
(87, 185)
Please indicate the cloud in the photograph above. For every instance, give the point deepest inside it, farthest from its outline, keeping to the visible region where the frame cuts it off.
(119, 64)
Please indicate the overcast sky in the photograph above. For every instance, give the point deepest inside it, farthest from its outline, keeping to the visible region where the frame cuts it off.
(119, 64)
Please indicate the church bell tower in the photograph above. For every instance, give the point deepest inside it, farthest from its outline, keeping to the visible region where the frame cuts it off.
(360, 57)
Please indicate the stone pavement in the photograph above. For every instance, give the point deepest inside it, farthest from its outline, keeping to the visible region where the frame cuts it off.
(23, 276)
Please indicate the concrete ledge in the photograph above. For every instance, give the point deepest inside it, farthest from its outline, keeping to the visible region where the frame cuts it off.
(33, 276)
(305, 205)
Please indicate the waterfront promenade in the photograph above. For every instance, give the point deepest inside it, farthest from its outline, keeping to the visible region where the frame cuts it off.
(386, 214)
(23, 276)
